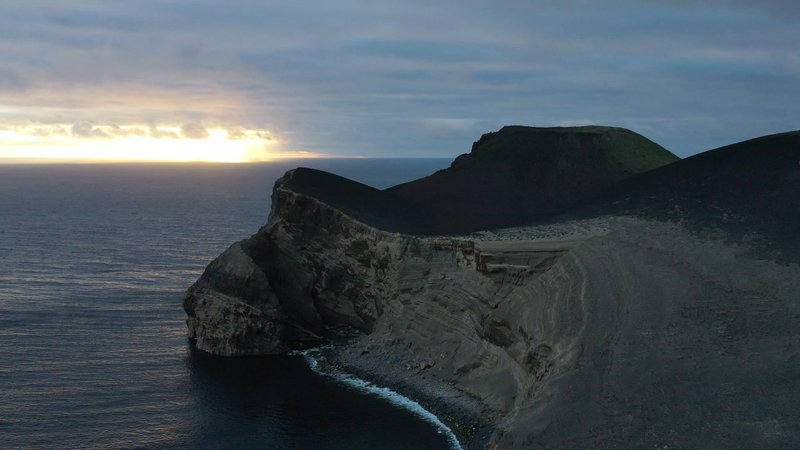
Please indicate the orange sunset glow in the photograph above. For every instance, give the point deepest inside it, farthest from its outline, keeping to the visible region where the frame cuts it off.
(84, 142)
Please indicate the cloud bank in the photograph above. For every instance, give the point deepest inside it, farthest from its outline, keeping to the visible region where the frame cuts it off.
(400, 78)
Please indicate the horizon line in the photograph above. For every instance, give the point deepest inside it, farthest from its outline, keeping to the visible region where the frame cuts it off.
(41, 161)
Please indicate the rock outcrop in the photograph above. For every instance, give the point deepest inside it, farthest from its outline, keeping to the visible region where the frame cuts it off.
(602, 332)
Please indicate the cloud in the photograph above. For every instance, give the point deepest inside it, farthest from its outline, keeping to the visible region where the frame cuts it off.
(194, 131)
(159, 133)
(43, 130)
(85, 129)
(402, 78)
(449, 127)
(264, 135)
(117, 131)
(235, 133)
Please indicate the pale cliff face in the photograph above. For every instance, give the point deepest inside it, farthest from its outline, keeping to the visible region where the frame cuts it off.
(310, 271)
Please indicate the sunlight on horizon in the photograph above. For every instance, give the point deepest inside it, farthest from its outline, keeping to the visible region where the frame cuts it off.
(62, 144)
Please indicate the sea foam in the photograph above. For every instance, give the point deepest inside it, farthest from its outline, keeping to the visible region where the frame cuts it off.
(384, 393)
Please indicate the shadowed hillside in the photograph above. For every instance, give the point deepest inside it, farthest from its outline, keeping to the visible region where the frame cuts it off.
(521, 173)
(512, 176)
(365, 203)
(749, 189)
(606, 332)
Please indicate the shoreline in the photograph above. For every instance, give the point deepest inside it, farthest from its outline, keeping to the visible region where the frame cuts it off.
(462, 419)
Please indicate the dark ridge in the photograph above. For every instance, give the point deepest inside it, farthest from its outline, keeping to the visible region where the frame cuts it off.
(749, 190)
(519, 174)
(364, 203)
(512, 176)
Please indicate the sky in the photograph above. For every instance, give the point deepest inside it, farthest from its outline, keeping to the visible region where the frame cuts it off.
(259, 80)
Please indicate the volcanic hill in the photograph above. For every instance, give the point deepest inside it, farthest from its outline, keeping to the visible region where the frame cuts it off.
(632, 299)
(510, 177)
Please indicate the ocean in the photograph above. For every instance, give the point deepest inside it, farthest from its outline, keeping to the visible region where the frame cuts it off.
(94, 260)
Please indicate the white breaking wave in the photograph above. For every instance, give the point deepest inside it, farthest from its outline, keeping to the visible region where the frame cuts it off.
(385, 393)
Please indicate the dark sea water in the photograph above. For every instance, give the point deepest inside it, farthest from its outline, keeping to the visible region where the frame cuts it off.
(94, 260)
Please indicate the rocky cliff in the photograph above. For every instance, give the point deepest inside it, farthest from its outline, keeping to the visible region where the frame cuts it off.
(605, 331)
